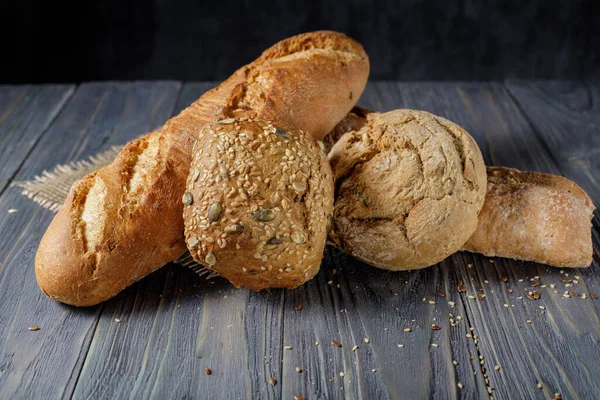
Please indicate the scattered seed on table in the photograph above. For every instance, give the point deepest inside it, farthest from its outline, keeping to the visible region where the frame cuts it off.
(208, 371)
(406, 329)
(342, 374)
(316, 342)
(287, 348)
(298, 398)
(435, 327)
(298, 369)
(540, 385)
(460, 385)
(298, 307)
(34, 328)
(272, 381)
(366, 340)
(535, 295)
(336, 343)
(355, 348)
(117, 320)
(12, 211)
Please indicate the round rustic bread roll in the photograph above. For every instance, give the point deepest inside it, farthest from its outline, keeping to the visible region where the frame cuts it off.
(409, 186)
(257, 204)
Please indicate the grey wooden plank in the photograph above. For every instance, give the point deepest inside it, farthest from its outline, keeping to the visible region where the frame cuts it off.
(559, 347)
(174, 325)
(47, 362)
(25, 113)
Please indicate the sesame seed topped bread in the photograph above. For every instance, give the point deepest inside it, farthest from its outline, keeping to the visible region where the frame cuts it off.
(536, 217)
(409, 186)
(257, 203)
(124, 221)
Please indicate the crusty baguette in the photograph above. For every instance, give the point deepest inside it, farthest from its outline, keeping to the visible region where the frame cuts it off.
(125, 221)
(536, 217)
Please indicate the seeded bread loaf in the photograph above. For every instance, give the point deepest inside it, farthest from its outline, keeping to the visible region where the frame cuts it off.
(125, 221)
(257, 204)
(409, 186)
(535, 217)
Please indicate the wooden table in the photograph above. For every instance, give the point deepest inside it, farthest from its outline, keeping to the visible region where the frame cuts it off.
(157, 338)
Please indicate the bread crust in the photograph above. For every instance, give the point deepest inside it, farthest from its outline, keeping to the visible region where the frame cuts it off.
(99, 244)
(409, 186)
(257, 204)
(353, 121)
(536, 217)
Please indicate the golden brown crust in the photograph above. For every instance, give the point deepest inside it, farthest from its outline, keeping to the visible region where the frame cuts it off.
(353, 121)
(99, 244)
(257, 204)
(533, 216)
(409, 186)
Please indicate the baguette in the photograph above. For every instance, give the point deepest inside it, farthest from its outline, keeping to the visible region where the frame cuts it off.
(535, 217)
(124, 221)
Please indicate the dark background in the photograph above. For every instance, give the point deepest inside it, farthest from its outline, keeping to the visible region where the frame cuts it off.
(44, 41)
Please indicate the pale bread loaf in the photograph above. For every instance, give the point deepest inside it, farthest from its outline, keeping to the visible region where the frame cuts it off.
(409, 186)
(526, 215)
(536, 217)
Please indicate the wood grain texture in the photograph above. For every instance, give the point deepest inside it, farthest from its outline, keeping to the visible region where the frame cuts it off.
(46, 363)
(156, 338)
(25, 113)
